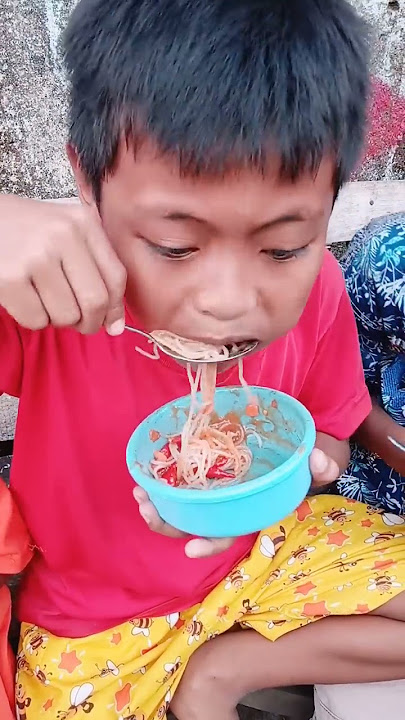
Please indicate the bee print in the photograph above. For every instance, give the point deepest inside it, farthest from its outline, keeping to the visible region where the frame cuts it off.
(37, 640)
(344, 586)
(249, 608)
(174, 621)
(340, 516)
(268, 546)
(275, 575)
(276, 623)
(345, 565)
(383, 583)
(164, 708)
(391, 519)
(381, 537)
(296, 577)
(141, 626)
(171, 668)
(22, 702)
(195, 629)
(109, 669)
(301, 554)
(236, 579)
(79, 700)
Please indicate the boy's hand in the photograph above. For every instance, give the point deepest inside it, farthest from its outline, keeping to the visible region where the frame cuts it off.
(195, 548)
(57, 267)
(324, 471)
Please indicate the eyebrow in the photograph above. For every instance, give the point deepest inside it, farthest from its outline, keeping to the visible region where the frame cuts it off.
(295, 216)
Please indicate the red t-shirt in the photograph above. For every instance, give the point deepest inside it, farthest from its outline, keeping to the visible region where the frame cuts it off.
(98, 564)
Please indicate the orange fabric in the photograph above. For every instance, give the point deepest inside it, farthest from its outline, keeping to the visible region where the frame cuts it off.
(15, 553)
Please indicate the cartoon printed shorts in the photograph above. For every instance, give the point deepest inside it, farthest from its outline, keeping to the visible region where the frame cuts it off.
(333, 556)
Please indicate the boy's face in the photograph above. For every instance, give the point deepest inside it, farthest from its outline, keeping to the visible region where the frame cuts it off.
(216, 258)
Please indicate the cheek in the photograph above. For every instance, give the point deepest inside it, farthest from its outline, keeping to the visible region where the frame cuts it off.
(287, 294)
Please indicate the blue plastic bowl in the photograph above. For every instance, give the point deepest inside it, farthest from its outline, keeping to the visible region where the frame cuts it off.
(278, 480)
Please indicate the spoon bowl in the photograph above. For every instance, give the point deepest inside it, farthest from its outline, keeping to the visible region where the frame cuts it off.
(244, 349)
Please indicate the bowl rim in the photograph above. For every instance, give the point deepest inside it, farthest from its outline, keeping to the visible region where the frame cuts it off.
(233, 492)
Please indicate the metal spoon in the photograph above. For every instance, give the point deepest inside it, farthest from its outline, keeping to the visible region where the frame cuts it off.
(396, 443)
(247, 348)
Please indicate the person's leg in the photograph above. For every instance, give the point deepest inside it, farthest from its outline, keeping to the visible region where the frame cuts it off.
(332, 651)
(338, 559)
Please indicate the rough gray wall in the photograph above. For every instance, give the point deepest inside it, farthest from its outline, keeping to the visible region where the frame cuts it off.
(32, 95)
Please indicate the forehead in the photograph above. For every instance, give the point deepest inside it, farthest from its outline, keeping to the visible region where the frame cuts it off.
(152, 183)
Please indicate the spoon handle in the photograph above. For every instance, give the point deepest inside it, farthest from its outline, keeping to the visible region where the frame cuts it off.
(396, 443)
(138, 332)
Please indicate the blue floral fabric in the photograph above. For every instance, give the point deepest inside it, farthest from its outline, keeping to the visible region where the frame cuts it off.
(374, 269)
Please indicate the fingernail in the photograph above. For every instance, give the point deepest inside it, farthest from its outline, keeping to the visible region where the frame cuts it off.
(116, 328)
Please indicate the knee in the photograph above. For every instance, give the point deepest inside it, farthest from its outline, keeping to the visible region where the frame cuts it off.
(204, 686)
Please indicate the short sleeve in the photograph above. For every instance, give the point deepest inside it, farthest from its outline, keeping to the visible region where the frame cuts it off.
(334, 389)
(15, 549)
(11, 355)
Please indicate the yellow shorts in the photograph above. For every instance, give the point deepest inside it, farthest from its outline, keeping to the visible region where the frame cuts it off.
(332, 556)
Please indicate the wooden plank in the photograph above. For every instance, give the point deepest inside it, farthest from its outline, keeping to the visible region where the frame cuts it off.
(357, 204)
(360, 202)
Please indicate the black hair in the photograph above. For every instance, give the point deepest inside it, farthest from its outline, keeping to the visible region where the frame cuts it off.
(218, 83)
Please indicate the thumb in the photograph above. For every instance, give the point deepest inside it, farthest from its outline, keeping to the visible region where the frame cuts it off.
(207, 547)
(324, 470)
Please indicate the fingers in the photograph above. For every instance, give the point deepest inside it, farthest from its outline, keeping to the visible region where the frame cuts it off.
(114, 276)
(324, 469)
(195, 548)
(87, 284)
(57, 296)
(23, 303)
(207, 547)
(152, 518)
(59, 267)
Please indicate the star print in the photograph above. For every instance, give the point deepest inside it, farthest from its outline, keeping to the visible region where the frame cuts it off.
(383, 564)
(362, 609)
(123, 697)
(313, 532)
(337, 538)
(222, 611)
(69, 661)
(116, 639)
(304, 511)
(304, 589)
(318, 609)
(48, 705)
(366, 523)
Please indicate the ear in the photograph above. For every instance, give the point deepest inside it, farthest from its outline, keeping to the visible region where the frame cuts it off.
(84, 187)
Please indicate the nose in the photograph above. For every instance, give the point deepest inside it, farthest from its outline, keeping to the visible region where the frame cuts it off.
(226, 291)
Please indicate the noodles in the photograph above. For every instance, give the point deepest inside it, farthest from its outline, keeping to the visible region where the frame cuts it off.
(193, 349)
(206, 454)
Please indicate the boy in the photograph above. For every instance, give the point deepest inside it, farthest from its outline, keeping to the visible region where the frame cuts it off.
(208, 140)
(375, 278)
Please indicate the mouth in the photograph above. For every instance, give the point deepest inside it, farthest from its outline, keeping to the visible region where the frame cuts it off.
(236, 347)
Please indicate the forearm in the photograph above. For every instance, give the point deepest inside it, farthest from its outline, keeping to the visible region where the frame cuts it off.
(337, 450)
(374, 434)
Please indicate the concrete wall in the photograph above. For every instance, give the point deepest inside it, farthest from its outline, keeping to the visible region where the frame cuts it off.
(32, 96)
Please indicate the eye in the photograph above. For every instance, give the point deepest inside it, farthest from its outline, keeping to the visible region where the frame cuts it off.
(174, 253)
(284, 255)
